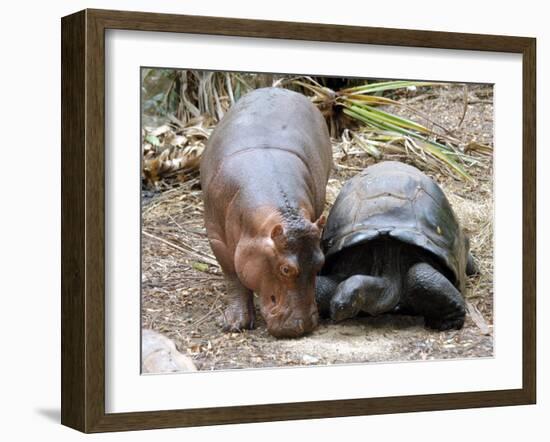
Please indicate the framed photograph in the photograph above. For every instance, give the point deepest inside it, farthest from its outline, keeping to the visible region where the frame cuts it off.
(266, 221)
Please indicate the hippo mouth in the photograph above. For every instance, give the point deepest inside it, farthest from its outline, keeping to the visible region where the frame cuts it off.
(290, 325)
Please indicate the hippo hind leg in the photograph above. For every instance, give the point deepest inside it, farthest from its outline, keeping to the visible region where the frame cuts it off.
(363, 293)
(430, 294)
(239, 313)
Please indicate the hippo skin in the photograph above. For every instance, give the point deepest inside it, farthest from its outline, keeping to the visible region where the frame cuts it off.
(263, 177)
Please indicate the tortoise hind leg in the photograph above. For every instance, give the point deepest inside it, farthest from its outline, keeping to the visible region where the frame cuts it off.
(430, 294)
(371, 294)
(471, 267)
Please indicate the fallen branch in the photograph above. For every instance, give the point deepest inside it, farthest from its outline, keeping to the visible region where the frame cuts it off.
(203, 318)
(185, 249)
(478, 318)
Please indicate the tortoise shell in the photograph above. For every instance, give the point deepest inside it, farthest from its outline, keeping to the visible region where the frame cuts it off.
(396, 200)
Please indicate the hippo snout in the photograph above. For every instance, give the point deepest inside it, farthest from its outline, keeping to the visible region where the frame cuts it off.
(293, 326)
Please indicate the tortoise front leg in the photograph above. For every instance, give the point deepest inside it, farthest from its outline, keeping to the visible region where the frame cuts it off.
(325, 288)
(431, 294)
(371, 294)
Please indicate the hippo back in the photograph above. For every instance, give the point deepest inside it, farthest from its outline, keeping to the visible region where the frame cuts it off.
(396, 200)
(272, 118)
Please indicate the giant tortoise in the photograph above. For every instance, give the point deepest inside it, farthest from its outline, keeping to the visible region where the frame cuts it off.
(392, 243)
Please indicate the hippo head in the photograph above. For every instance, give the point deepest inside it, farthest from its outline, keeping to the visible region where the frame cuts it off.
(282, 274)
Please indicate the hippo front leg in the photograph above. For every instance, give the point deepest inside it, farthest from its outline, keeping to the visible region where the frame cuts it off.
(239, 313)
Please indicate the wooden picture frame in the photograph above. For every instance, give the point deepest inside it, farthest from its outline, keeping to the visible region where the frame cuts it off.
(83, 220)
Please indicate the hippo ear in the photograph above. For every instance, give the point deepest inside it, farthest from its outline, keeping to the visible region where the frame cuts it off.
(321, 222)
(277, 232)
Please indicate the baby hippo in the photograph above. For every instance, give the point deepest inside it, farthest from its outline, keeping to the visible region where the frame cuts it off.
(263, 177)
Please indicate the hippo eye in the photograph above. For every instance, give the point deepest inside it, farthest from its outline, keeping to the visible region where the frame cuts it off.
(287, 270)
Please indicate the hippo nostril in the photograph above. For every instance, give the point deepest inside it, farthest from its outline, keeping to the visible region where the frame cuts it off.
(273, 300)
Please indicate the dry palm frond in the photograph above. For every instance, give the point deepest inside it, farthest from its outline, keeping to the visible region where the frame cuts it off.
(387, 130)
(173, 149)
(173, 152)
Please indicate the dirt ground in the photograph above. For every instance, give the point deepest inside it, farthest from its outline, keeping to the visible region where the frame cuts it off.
(183, 290)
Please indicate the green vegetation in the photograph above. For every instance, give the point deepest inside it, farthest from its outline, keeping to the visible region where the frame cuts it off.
(189, 103)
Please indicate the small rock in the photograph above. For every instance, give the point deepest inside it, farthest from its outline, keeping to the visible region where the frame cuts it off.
(309, 359)
(159, 355)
